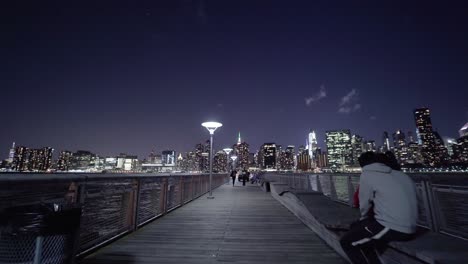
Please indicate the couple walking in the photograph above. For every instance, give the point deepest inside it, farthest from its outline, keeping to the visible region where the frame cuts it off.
(244, 176)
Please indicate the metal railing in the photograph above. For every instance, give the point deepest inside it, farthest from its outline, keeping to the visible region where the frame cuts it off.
(442, 197)
(112, 204)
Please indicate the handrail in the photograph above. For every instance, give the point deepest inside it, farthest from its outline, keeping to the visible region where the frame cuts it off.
(113, 204)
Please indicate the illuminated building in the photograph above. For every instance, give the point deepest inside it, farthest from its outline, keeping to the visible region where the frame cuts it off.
(64, 161)
(322, 158)
(20, 159)
(286, 159)
(241, 150)
(269, 156)
(220, 161)
(303, 159)
(340, 151)
(414, 154)
(369, 145)
(357, 146)
(422, 117)
(449, 142)
(11, 155)
(460, 149)
(385, 142)
(168, 157)
(81, 160)
(312, 144)
(400, 147)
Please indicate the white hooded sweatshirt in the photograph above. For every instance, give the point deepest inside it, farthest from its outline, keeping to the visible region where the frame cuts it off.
(393, 194)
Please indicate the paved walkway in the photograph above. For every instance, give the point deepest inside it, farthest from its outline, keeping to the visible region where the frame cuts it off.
(241, 225)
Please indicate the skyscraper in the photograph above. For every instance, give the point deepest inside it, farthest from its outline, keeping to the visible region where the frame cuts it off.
(312, 144)
(399, 146)
(269, 156)
(241, 149)
(358, 147)
(422, 117)
(385, 142)
(340, 152)
(11, 155)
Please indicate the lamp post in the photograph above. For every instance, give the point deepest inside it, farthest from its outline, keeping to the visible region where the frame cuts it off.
(233, 161)
(227, 150)
(211, 126)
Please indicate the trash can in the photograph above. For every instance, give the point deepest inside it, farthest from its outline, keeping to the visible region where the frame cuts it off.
(39, 233)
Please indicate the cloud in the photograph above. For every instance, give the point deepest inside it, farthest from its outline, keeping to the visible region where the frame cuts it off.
(349, 103)
(350, 97)
(373, 118)
(317, 97)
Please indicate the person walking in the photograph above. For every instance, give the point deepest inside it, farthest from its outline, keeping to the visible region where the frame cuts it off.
(388, 205)
(233, 176)
(245, 176)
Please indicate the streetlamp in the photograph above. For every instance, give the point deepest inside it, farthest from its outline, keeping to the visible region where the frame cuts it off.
(227, 150)
(233, 161)
(211, 126)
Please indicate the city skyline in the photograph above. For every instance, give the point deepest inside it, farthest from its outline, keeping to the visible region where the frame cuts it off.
(320, 143)
(132, 78)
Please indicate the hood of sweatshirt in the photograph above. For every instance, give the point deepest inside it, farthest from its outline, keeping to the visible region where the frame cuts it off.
(377, 167)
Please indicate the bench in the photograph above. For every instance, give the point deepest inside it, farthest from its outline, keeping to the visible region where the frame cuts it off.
(330, 220)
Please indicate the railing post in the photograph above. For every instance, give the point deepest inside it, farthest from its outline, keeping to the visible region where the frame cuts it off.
(191, 188)
(136, 202)
(433, 211)
(294, 181)
(164, 195)
(309, 185)
(332, 188)
(350, 191)
(319, 185)
(182, 190)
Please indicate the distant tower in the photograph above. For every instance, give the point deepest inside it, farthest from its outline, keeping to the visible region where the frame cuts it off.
(12, 153)
(239, 139)
(312, 145)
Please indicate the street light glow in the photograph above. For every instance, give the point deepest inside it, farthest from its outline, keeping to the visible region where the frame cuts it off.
(212, 126)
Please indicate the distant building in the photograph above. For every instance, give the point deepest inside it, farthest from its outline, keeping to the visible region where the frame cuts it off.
(11, 155)
(25, 159)
(414, 154)
(369, 145)
(357, 148)
(385, 142)
(303, 161)
(340, 152)
(269, 156)
(460, 149)
(449, 142)
(220, 161)
(169, 157)
(81, 160)
(312, 144)
(287, 159)
(422, 117)
(64, 161)
(400, 148)
(241, 150)
(322, 159)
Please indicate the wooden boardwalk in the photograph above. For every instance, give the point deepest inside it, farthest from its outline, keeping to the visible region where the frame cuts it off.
(241, 225)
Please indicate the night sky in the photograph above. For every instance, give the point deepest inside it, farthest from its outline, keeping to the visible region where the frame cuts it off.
(112, 77)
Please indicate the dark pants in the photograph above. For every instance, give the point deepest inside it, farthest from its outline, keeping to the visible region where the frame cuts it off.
(233, 180)
(367, 236)
(243, 181)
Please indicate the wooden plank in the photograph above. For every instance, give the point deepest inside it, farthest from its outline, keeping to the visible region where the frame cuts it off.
(241, 225)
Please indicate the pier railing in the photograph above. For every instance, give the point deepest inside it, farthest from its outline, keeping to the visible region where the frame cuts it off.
(442, 197)
(113, 204)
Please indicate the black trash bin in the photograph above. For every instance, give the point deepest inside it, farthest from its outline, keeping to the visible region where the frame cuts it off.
(39, 233)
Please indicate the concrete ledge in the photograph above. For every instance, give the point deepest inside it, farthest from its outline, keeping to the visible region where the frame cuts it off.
(329, 219)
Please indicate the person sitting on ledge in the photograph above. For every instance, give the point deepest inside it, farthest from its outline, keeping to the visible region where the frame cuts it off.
(391, 197)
